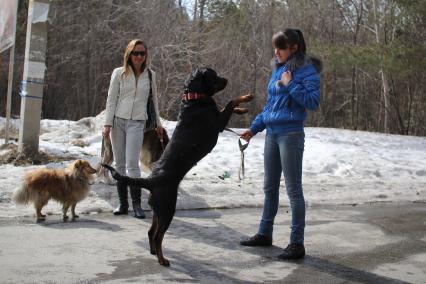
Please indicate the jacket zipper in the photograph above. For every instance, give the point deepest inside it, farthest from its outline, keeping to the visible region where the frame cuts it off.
(134, 96)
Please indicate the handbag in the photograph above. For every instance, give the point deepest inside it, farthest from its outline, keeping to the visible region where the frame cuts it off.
(151, 122)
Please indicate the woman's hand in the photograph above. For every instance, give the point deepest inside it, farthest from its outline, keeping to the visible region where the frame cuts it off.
(160, 131)
(286, 78)
(247, 135)
(106, 130)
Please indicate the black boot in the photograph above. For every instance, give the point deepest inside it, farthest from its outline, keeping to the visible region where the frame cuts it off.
(123, 208)
(257, 241)
(293, 251)
(135, 193)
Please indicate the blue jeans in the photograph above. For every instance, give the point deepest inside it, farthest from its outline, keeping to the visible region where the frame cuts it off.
(284, 153)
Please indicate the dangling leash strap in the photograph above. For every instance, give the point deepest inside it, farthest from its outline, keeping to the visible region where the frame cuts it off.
(242, 148)
(103, 147)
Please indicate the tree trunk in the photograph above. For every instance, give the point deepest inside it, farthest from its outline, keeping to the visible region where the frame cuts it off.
(386, 100)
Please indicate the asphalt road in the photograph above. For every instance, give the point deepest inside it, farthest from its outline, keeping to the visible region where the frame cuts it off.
(378, 243)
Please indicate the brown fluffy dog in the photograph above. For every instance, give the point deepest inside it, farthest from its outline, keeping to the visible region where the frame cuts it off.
(67, 186)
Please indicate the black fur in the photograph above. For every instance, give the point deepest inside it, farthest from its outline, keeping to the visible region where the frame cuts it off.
(195, 135)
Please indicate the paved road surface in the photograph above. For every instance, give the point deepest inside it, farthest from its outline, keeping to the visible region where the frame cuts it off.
(345, 244)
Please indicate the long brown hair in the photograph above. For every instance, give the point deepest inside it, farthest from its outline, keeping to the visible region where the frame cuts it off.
(127, 63)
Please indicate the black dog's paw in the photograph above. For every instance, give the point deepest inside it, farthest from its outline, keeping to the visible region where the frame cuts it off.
(245, 98)
(114, 173)
(240, 110)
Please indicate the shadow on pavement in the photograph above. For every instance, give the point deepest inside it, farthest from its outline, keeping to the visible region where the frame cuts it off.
(81, 223)
(228, 240)
(344, 272)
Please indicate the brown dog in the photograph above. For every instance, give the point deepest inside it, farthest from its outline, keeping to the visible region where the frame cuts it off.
(152, 148)
(67, 186)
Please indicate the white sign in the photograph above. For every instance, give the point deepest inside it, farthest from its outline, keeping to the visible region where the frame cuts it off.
(8, 10)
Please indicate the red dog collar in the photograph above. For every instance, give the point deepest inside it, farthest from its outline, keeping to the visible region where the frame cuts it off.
(192, 96)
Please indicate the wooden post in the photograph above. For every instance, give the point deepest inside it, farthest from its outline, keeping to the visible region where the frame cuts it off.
(33, 79)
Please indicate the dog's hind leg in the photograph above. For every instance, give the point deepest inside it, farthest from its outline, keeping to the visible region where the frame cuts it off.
(225, 115)
(163, 225)
(65, 207)
(73, 215)
(147, 183)
(152, 233)
(40, 217)
(39, 203)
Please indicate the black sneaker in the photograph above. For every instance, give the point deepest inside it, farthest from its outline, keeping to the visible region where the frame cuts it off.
(293, 251)
(257, 241)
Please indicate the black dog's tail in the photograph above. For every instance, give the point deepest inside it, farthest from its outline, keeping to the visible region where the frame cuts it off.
(147, 183)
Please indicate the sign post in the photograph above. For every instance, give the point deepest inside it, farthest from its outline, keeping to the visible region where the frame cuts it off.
(33, 78)
(8, 15)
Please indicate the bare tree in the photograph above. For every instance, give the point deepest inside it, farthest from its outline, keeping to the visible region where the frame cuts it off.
(373, 53)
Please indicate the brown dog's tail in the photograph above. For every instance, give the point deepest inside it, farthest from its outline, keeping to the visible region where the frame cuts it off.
(22, 195)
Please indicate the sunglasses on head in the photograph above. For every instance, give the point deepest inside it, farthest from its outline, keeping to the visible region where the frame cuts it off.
(137, 53)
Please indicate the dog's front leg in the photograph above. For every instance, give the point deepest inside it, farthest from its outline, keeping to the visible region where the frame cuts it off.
(65, 207)
(230, 108)
(40, 217)
(242, 99)
(73, 215)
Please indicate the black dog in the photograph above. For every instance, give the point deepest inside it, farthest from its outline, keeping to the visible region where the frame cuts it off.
(196, 134)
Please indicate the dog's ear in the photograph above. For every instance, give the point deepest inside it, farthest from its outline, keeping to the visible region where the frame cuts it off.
(84, 166)
(204, 80)
(209, 77)
(194, 81)
(79, 164)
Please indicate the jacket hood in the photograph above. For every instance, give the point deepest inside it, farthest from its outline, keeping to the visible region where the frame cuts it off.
(317, 63)
(295, 62)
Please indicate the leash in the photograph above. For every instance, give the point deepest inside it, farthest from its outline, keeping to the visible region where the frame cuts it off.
(241, 172)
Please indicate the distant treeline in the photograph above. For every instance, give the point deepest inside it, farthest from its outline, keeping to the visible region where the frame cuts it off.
(373, 51)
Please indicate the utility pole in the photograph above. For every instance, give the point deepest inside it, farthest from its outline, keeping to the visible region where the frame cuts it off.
(33, 78)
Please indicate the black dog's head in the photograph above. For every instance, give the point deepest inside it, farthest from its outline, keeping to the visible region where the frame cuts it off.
(206, 81)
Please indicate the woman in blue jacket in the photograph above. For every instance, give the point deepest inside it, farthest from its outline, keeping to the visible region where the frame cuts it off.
(293, 89)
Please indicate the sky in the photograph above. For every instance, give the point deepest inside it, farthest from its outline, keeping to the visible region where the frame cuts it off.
(339, 167)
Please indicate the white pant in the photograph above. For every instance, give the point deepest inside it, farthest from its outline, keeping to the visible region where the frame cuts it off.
(127, 138)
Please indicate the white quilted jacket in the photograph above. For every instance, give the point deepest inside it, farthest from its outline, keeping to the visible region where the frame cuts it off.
(128, 99)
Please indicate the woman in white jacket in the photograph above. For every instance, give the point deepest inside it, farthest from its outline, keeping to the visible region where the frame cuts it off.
(126, 117)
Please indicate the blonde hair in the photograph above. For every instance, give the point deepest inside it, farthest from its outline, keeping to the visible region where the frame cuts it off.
(127, 62)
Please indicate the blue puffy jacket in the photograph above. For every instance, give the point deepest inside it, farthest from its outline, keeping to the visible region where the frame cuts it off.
(285, 108)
